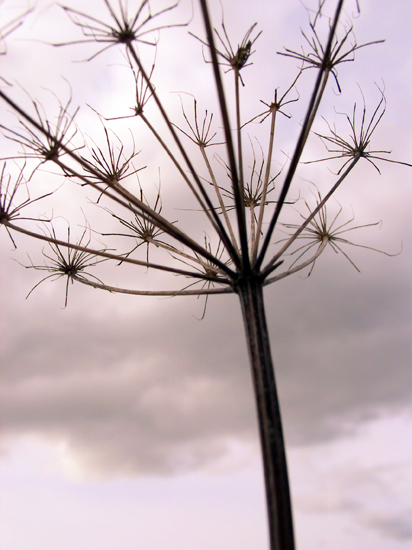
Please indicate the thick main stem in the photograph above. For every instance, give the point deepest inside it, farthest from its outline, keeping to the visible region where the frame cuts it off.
(270, 425)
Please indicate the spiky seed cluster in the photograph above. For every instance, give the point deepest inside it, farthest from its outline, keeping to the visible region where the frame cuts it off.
(143, 230)
(68, 262)
(316, 58)
(124, 28)
(357, 146)
(48, 141)
(110, 167)
(9, 210)
(321, 231)
(235, 59)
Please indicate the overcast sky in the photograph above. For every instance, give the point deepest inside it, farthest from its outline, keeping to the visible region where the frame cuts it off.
(126, 421)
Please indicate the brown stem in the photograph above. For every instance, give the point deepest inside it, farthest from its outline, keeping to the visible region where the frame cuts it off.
(217, 223)
(219, 197)
(117, 257)
(314, 103)
(239, 136)
(205, 209)
(145, 210)
(269, 268)
(239, 199)
(255, 243)
(270, 425)
(304, 264)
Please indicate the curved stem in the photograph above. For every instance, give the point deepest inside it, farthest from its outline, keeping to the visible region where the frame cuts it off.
(191, 292)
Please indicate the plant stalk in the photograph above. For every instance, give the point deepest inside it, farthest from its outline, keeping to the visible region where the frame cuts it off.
(278, 499)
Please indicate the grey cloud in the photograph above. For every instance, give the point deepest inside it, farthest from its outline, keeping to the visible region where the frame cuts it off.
(158, 391)
(151, 395)
(396, 526)
(349, 353)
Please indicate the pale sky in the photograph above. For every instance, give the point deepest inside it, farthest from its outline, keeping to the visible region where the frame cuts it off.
(127, 423)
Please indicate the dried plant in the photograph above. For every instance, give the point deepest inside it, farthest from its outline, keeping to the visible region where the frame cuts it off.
(145, 232)
(341, 51)
(9, 27)
(124, 28)
(320, 232)
(67, 262)
(235, 60)
(236, 201)
(54, 138)
(360, 138)
(10, 208)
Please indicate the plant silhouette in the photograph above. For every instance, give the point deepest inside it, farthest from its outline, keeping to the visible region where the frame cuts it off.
(240, 206)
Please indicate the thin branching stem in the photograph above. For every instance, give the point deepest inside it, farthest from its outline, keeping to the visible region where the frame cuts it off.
(238, 196)
(179, 167)
(307, 124)
(146, 232)
(144, 211)
(252, 227)
(269, 268)
(117, 257)
(131, 199)
(239, 133)
(196, 259)
(219, 196)
(183, 292)
(255, 242)
(200, 137)
(301, 266)
(216, 220)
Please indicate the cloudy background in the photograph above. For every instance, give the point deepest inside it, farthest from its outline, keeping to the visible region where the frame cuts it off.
(126, 422)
